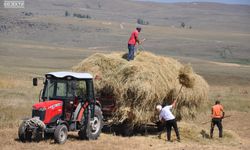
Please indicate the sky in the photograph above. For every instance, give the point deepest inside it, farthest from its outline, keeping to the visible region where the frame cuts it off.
(219, 1)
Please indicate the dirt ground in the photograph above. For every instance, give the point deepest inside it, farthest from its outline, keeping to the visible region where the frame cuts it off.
(236, 136)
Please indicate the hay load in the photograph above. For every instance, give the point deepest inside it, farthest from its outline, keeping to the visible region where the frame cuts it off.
(139, 85)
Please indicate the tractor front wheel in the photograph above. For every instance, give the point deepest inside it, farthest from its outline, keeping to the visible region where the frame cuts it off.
(61, 134)
(23, 134)
(92, 130)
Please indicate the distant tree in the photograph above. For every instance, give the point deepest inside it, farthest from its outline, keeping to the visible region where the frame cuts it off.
(99, 5)
(87, 6)
(183, 24)
(67, 13)
(226, 52)
(82, 16)
(142, 22)
(88, 16)
(28, 13)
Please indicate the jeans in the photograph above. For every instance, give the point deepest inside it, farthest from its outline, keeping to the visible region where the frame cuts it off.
(169, 125)
(216, 121)
(131, 51)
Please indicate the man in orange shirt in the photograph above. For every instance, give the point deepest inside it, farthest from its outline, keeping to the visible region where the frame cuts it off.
(217, 116)
(132, 42)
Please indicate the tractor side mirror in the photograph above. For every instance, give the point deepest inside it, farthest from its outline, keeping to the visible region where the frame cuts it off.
(35, 82)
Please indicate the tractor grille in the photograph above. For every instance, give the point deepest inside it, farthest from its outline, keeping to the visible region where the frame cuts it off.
(38, 113)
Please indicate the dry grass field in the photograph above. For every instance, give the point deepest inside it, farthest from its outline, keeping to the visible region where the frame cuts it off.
(217, 47)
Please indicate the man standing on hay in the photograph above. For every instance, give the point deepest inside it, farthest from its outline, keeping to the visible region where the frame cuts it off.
(167, 117)
(132, 42)
(217, 116)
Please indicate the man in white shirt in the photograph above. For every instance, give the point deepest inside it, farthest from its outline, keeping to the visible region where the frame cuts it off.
(167, 117)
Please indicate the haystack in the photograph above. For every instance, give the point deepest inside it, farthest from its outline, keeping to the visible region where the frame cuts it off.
(139, 85)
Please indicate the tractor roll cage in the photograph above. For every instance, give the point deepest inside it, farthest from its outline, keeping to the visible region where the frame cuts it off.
(70, 80)
(77, 76)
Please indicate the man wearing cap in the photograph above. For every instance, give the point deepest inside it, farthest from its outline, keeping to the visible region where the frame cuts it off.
(167, 117)
(132, 42)
(217, 115)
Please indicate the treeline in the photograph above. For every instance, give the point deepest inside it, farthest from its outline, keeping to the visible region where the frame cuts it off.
(87, 16)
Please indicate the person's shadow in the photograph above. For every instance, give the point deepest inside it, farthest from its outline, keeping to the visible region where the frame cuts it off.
(125, 56)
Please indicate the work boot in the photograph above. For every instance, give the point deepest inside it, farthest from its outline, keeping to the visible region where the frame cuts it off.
(211, 134)
(220, 134)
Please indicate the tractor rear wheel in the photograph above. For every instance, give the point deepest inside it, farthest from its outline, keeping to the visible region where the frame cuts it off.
(61, 134)
(23, 134)
(92, 131)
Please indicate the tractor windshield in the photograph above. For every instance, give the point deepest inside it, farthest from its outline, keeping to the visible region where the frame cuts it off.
(56, 89)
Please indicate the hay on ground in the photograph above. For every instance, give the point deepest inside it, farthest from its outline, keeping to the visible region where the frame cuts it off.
(139, 85)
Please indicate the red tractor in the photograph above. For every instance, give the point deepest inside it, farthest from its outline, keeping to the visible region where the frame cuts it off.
(67, 103)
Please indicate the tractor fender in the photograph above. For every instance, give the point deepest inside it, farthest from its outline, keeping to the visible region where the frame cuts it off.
(80, 110)
(61, 122)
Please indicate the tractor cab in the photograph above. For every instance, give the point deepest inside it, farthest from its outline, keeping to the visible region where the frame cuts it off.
(70, 89)
(62, 93)
(67, 104)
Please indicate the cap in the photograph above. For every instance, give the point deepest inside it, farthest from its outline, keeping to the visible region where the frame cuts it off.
(159, 107)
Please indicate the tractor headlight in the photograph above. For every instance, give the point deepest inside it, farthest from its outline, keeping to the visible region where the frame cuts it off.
(42, 109)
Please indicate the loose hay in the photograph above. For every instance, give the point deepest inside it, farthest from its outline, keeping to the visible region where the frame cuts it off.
(186, 76)
(192, 132)
(139, 85)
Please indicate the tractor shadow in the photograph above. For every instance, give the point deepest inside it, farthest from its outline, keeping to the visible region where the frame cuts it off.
(124, 130)
(48, 138)
(127, 131)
